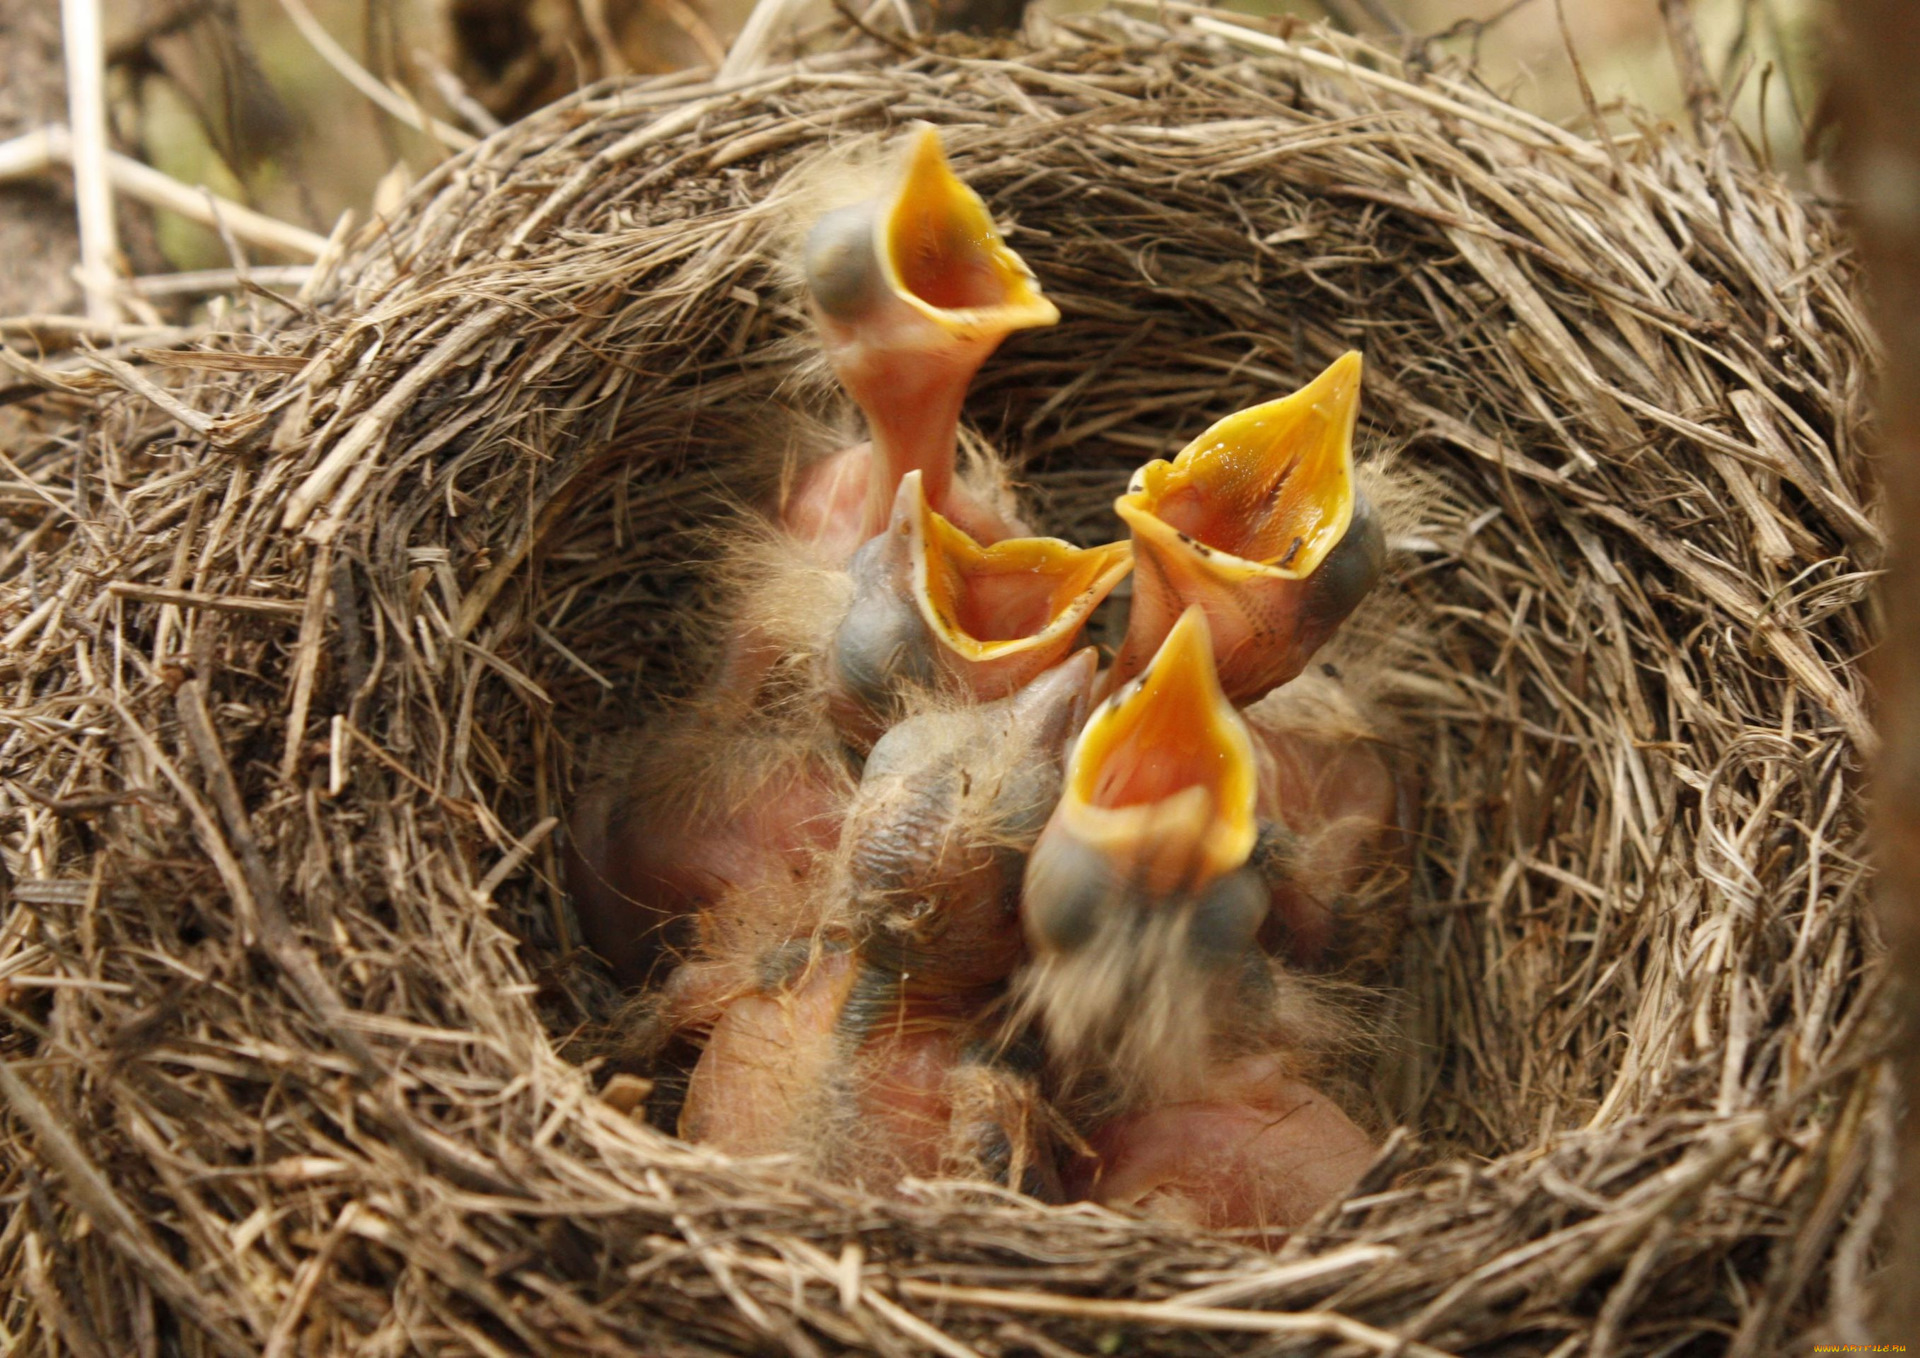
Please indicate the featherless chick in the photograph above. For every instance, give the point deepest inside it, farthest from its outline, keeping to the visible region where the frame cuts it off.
(931, 607)
(1180, 817)
(697, 808)
(877, 1054)
(837, 1067)
(1176, 872)
(921, 611)
(1254, 1147)
(911, 290)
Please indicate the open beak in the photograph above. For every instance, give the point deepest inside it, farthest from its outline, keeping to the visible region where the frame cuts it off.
(1158, 801)
(940, 254)
(1000, 615)
(1141, 899)
(930, 603)
(1258, 522)
(912, 291)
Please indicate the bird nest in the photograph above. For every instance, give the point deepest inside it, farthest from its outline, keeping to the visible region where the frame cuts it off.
(310, 627)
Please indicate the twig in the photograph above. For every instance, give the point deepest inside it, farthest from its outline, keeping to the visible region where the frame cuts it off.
(1384, 17)
(92, 188)
(198, 281)
(313, 623)
(755, 41)
(1514, 123)
(1324, 1324)
(84, 327)
(456, 95)
(37, 152)
(91, 1190)
(222, 603)
(513, 860)
(369, 428)
(691, 22)
(364, 80)
(440, 799)
(1475, 29)
(85, 804)
(845, 11)
(1703, 96)
(914, 1327)
(307, 1282)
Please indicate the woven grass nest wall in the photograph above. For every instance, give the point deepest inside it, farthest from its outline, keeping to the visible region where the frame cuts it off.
(309, 627)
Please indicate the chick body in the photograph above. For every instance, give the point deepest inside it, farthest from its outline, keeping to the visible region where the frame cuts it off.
(1188, 845)
(826, 507)
(1333, 809)
(1261, 1150)
(859, 1078)
(696, 813)
(878, 1059)
(950, 802)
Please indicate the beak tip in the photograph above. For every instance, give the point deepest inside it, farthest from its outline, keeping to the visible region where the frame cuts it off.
(1191, 638)
(1342, 379)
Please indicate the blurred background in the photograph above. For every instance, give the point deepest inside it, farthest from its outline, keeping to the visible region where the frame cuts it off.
(254, 99)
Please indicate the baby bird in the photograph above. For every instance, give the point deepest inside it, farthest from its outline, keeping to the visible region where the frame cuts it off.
(699, 809)
(838, 1068)
(937, 835)
(1190, 848)
(1258, 521)
(931, 607)
(872, 1054)
(1344, 810)
(911, 291)
(1260, 1150)
(1185, 847)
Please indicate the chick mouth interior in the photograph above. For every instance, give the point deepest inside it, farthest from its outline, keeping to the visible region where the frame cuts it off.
(1154, 752)
(1164, 772)
(1271, 485)
(1017, 590)
(943, 252)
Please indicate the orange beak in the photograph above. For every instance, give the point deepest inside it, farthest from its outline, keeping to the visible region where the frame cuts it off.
(911, 292)
(1159, 795)
(930, 603)
(1259, 523)
(940, 254)
(1000, 615)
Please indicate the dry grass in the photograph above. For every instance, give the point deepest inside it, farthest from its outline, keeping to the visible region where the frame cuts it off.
(305, 626)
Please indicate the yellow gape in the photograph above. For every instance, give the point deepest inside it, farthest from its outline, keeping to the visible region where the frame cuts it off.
(1242, 523)
(1162, 782)
(940, 254)
(1001, 614)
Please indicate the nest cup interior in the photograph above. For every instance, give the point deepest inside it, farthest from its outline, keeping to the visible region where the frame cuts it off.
(1541, 672)
(1621, 390)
